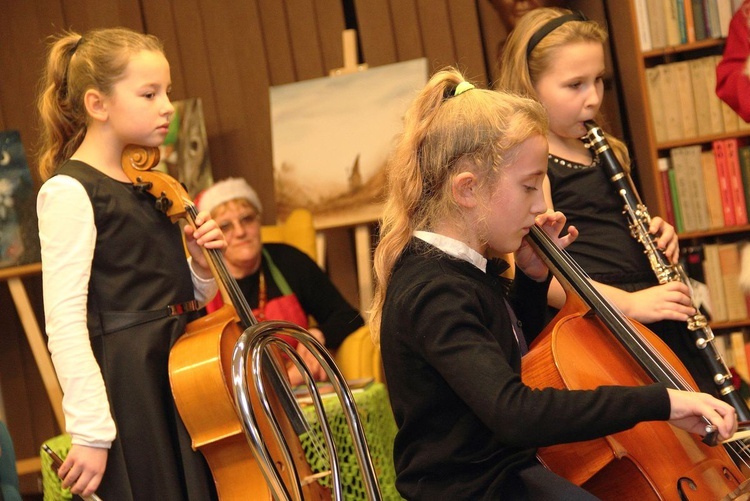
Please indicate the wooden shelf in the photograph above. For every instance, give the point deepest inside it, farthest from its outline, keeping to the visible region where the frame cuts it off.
(680, 49)
(715, 232)
(701, 140)
(730, 325)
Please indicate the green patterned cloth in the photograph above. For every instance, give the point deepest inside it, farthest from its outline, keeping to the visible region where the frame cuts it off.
(380, 429)
(51, 483)
(378, 423)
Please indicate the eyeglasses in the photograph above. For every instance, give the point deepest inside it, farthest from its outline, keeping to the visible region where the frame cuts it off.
(245, 221)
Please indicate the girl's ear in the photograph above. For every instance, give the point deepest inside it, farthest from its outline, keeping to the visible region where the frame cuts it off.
(464, 187)
(96, 106)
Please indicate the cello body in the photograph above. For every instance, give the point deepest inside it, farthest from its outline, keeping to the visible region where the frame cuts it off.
(653, 460)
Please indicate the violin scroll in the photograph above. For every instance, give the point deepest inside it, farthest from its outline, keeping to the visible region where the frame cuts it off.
(171, 196)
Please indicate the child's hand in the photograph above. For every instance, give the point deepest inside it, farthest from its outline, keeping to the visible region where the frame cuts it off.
(83, 469)
(670, 301)
(552, 223)
(208, 235)
(666, 238)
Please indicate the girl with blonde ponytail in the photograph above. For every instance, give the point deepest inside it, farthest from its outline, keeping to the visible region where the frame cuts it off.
(465, 184)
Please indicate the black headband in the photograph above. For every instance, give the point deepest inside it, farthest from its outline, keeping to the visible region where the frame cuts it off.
(549, 26)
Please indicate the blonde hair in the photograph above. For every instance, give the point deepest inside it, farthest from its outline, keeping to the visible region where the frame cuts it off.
(519, 73)
(75, 64)
(440, 131)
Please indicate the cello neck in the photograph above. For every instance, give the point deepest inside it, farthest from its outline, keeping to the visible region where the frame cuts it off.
(573, 278)
(226, 280)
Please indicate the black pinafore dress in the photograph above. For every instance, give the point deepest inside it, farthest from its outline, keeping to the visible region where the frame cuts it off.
(138, 270)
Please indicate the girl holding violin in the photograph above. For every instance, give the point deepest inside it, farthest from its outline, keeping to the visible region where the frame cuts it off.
(465, 183)
(116, 292)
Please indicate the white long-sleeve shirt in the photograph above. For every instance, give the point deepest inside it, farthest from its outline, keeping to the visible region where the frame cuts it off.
(68, 236)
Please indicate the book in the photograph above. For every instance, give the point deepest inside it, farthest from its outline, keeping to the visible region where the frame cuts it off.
(744, 153)
(671, 22)
(724, 9)
(691, 195)
(729, 262)
(720, 154)
(714, 103)
(700, 97)
(699, 21)
(657, 24)
(717, 307)
(678, 224)
(711, 15)
(711, 187)
(653, 83)
(670, 101)
(644, 31)
(681, 73)
(735, 181)
(688, 16)
(737, 342)
(666, 192)
(19, 233)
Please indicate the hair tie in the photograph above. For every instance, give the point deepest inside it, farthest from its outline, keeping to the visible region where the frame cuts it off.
(550, 26)
(462, 87)
(75, 47)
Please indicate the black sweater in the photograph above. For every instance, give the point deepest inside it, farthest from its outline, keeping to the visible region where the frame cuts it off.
(466, 421)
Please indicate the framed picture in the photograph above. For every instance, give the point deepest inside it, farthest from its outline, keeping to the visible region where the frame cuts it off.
(332, 138)
(19, 231)
(184, 154)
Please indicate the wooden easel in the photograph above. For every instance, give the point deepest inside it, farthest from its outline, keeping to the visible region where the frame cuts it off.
(38, 348)
(361, 226)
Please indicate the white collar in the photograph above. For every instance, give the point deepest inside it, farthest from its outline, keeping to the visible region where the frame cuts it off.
(454, 248)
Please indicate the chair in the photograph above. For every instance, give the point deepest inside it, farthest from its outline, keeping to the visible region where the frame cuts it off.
(251, 368)
(297, 230)
(9, 487)
(357, 357)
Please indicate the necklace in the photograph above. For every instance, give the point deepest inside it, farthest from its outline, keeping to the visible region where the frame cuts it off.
(262, 296)
(574, 165)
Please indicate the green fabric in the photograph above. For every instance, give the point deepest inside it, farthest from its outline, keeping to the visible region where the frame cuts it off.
(51, 483)
(378, 423)
(380, 429)
(281, 282)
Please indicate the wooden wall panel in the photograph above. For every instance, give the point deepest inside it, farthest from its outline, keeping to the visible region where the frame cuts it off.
(376, 32)
(406, 30)
(467, 40)
(277, 41)
(437, 33)
(306, 46)
(330, 21)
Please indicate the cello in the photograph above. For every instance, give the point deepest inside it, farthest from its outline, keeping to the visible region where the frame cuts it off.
(200, 362)
(590, 343)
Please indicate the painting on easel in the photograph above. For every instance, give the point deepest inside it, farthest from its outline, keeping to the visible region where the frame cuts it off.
(19, 232)
(332, 137)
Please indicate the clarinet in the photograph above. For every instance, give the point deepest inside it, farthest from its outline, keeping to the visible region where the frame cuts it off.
(639, 221)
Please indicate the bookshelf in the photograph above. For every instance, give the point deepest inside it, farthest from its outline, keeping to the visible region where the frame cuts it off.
(647, 141)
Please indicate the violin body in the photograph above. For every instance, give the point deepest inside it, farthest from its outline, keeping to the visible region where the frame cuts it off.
(591, 344)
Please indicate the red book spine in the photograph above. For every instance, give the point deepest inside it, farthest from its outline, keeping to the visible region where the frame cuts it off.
(720, 154)
(666, 193)
(735, 181)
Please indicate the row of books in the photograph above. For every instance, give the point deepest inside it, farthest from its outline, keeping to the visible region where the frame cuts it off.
(734, 348)
(683, 101)
(708, 189)
(715, 270)
(666, 23)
